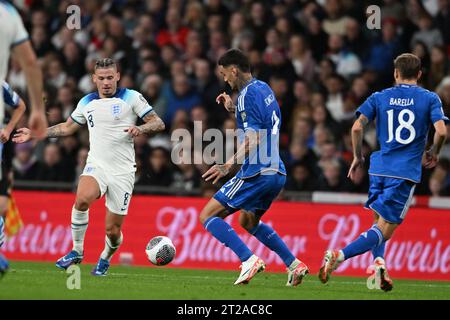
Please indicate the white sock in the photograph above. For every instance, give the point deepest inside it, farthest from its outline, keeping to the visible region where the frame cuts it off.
(111, 247)
(341, 256)
(294, 265)
(80, 220)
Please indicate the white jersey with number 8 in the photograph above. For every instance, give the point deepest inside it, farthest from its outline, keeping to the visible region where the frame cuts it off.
(111, 148)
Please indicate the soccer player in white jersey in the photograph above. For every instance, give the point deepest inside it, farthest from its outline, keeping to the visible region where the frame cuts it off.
(15, 41)
(110, 115)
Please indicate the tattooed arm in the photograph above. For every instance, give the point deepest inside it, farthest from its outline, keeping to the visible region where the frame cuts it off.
(357, 140)
(251, 141)
(152, 124)
(60, 130)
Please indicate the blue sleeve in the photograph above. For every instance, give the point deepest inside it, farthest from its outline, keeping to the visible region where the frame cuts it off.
(436, 110)
(368, 108)
(10, 97)
(248, 111)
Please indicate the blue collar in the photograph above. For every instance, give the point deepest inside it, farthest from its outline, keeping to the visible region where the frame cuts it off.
(249, 83)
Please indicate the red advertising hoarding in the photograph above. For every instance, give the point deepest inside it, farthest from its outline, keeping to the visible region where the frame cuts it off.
(420, 248)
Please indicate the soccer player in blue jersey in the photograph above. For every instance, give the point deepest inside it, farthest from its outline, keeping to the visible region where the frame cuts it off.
(403, 115)
(18, 107)
(261, 177)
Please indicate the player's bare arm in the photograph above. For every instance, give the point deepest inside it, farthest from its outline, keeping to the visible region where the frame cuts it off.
(219, 171)
(5, 133)
(357, 140)
(152, 124)
(27, 60)
(227, 102)
(432, 154)
(60, 130)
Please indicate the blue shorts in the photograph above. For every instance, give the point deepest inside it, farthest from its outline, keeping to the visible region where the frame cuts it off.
(390, 197)
(252, 194)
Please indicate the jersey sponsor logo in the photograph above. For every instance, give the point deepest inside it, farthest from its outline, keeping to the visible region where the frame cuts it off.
(401, 102)
(269, 99)
(116, 110)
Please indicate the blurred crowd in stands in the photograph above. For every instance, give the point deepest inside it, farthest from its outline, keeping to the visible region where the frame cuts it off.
(319, 57)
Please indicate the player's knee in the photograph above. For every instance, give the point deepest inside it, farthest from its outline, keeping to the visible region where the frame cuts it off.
(113, 233)
(204, 215)
(248, 221)
(82, 203)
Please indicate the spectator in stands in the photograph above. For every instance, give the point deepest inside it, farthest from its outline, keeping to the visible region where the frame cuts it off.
(55, 74)
(335, 98)
(180, 96)
(175, 33)
(52, 168)
(439, 66)
(300, 178)
(347, 63)
(335, 20)
(301, 58)
(151, 89)
(25, 163)
(426, 33)
(442, 20)
(331, 178)
(157, 170)
(383, 52)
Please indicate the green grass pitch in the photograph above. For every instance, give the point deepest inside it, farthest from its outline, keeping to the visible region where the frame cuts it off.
(33, 280)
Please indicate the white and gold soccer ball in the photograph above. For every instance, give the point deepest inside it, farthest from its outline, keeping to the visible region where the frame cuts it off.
(160, 251)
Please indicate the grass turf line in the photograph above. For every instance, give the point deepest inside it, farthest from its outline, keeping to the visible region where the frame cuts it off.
(37, 280)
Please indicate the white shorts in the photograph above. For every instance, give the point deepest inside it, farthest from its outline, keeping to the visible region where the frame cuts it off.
(116, 188)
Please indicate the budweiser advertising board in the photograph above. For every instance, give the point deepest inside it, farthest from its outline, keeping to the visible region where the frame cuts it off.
(420, 248)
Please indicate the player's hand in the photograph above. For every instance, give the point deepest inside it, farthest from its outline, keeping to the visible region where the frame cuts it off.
(430, 159)
(357, 162)
(38, 124)
(133, 131)
(216, 172)
(22, 135)
(227, 101)
(5, 133)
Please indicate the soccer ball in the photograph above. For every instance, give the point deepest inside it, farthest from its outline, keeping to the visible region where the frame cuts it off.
(160, 250)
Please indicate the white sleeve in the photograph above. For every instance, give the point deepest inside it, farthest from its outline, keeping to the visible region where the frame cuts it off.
(19, 34)
(139, 105)
(77, 114)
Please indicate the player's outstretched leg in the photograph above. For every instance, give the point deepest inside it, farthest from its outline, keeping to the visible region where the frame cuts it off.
(365, 242)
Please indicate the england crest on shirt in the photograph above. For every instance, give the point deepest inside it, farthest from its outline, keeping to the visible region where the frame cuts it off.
(116, 110)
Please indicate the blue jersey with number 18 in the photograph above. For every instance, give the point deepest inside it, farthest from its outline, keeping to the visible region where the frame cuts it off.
(404, 114)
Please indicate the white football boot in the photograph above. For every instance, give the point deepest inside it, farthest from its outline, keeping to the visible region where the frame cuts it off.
(249, 269)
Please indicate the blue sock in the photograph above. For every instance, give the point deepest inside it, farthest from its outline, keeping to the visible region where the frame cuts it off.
(272, 240)
(223, 232)
(378, 251)
(366, 241)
